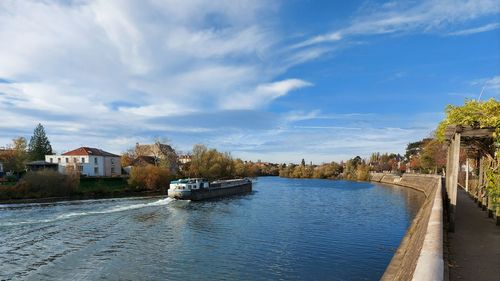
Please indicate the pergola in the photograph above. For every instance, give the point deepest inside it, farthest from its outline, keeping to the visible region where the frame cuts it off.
(478, 143)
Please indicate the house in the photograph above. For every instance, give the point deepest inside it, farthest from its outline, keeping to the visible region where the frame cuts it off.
(163, 154)
(140, 161)
(89, 161)
(185, 158)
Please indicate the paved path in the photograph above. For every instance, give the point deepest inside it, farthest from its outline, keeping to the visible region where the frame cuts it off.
(474, 248)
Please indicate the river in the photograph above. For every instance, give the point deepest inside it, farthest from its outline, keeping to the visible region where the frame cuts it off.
(286, 229)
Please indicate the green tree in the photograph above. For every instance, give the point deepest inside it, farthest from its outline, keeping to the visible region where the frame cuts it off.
(39, 145)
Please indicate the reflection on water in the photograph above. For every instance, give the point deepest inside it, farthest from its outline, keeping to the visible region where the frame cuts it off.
(286, 229)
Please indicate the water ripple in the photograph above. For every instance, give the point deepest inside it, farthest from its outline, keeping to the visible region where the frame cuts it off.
(284, 230)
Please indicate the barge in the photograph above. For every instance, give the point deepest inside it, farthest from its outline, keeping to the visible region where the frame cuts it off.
(200, 189)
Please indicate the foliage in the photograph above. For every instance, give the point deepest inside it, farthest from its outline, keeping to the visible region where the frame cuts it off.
(46, 183)
(414, 148)
(472, 113)
(127, 158)
(479, 115)
(39, 145)
(351, 166)
(20, 152)
(150, 177)
(210, 164)
(15, 158)
(385, 162)
(433, 157)
(328, 171)
(363, 172)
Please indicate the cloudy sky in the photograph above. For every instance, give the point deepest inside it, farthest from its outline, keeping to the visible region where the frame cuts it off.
(272, 80)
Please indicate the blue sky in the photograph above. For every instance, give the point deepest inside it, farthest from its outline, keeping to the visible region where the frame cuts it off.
(271, 80)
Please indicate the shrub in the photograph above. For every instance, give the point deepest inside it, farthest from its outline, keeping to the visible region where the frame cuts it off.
(47, 183)
(150, 177)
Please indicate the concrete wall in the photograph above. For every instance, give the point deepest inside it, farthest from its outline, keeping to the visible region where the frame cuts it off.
(420, 254)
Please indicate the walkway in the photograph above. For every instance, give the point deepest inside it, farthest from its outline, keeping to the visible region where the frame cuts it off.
(474, 248)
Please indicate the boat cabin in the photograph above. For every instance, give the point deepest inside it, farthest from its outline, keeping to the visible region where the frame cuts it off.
(189, 184)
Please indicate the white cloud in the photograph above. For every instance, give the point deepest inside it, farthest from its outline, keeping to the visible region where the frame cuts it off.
(493, 83)
(487, 86)
(468, 31)
(263, 94)
(400, 17)
(74, 60)
(96, 72)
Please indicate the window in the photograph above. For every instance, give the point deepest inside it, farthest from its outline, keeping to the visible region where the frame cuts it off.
(95, 160)
(112, 170)
(83, 160)
(80, 168)
(67, 160)
(58, 160)
(51, 160)
(112, 161)
(96, 169)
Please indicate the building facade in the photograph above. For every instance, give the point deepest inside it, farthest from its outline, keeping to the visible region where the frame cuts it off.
(92, 162)
(163, 155)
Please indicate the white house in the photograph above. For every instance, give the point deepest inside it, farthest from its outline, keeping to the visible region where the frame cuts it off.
(90, 162)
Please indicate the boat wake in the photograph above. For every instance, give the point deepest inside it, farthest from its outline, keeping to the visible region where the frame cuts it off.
(114, 209)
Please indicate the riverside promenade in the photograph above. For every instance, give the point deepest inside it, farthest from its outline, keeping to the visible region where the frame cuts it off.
(474, 247)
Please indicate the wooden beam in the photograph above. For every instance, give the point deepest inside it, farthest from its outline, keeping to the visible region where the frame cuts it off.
(455, 165)
(468, 132)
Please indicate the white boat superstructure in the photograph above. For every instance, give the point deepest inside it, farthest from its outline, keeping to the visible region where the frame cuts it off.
(199, 188)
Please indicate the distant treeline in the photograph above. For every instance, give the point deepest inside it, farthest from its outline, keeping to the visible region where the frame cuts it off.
(353, 169)
(212, 164)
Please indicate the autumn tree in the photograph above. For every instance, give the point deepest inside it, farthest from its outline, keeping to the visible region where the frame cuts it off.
(433, 157)
(150, 177)
(15, 157)
(211, 164)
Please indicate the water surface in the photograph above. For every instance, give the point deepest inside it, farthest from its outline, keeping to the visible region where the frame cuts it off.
(287, 229)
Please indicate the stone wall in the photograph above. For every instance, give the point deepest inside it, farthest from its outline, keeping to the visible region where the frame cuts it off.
(420, 254)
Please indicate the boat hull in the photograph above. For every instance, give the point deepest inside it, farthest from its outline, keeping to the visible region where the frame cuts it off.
(208, 193)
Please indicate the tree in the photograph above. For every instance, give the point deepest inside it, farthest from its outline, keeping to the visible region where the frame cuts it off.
(39, 145)
(14, 158)
(433, 156)
(20, 153)
(211, 164)
(150, 177)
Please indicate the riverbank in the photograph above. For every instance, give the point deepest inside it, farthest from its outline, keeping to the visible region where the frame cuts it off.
(420, 254)
(51, 189)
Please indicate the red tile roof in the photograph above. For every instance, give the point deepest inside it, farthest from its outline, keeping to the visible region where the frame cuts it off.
(89, 151)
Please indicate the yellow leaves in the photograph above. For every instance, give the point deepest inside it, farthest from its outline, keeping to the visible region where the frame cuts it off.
(472, 113)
